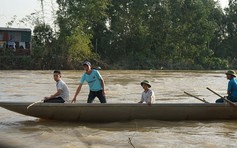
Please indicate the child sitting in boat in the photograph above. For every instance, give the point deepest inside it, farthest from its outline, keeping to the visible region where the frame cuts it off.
(148, 95)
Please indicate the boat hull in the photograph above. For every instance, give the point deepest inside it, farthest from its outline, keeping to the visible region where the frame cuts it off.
(124, 112)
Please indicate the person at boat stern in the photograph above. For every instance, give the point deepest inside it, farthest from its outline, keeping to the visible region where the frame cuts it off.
(62, 94)
(232, 87)
(95, 82)
(148, 95)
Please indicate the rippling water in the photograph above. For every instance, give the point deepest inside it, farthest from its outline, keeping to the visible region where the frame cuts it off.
(121, 86)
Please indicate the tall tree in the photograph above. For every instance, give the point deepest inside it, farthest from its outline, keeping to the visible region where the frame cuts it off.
(79, 48)
(231, 29)
(161, 33)
(88, 15)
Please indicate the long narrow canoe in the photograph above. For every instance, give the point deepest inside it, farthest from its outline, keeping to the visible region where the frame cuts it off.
(124, 112)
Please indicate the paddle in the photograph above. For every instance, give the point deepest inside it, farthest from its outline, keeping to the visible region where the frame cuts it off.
(203, 100)
(232, 103)
(33, 103)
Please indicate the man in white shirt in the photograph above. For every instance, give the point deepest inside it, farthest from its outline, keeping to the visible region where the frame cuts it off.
(62, 94)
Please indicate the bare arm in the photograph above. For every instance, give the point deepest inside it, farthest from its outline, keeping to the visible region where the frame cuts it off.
(103, 86)
(77, 92)
(58, 93)
(151, 98)
(149, 101)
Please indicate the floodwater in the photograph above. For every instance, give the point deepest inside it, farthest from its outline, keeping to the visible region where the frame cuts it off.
(124, 87)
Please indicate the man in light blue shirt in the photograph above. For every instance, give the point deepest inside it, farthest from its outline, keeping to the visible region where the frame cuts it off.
(232, 87)
(95, 82)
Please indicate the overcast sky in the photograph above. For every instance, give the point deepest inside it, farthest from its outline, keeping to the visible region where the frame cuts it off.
(21, 8)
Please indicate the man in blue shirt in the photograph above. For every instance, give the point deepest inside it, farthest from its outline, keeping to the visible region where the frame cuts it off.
(95, 82)
(232, 87)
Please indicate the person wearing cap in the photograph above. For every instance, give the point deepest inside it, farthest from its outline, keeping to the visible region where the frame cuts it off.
(232, 87)
(95, 82)
(148, 96)
(62, 94)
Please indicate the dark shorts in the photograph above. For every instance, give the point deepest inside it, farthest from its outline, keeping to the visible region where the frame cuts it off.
(55, 100)
(97, 94)
(221, 100)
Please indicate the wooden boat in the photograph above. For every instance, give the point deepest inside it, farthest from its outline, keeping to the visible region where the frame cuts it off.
(124, 112)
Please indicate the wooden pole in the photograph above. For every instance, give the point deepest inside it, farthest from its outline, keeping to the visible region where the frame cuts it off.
(203, 100)
(33, 104)
(230, 102)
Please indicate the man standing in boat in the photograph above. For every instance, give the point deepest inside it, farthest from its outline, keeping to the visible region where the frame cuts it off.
(232, 87)
(62, 93)
(95, 82)
(148, 96)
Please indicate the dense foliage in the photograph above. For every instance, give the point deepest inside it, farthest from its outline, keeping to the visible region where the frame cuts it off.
(139, 34)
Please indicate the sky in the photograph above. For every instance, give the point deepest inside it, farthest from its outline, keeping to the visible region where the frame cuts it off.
(21, 8)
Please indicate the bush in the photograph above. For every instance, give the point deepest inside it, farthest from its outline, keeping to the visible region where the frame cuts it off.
(215, 63)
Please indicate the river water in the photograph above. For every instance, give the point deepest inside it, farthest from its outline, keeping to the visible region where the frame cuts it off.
(124, 87)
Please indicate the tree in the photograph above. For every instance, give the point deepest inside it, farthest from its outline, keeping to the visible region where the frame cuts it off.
(89, 16)
(160, 33)
(231, 29)
(45, 54)
(79, 48)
